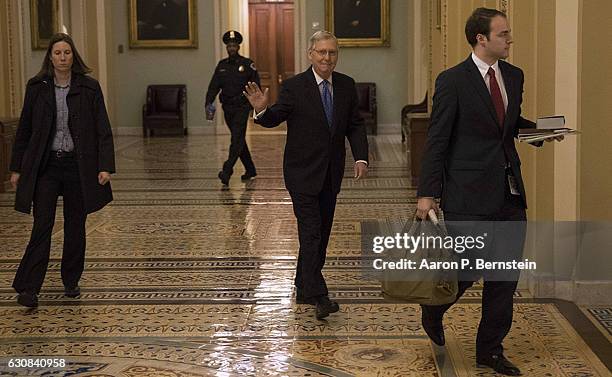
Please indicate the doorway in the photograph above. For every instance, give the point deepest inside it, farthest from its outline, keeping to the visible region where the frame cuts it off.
(271, 42)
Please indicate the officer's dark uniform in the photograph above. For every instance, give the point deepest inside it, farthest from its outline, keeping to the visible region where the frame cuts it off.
(230, 77)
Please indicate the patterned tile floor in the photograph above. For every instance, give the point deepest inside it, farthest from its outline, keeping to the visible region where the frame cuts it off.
(185, 278)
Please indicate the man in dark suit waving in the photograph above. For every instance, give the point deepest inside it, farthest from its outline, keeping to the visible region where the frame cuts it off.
(320, 107)
(472, 165)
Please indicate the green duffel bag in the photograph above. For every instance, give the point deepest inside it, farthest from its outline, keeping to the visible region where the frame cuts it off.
(421, 286)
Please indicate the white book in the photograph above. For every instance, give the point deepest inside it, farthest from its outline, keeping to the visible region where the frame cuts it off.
(550, 123)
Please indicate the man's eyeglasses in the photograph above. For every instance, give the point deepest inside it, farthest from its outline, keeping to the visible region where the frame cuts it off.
(324, 53)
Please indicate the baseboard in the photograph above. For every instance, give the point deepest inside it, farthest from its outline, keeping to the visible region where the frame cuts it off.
(578, 292)
(389, 128)
(383, 129)
(127, 131)
(137, 131)
(593, 292)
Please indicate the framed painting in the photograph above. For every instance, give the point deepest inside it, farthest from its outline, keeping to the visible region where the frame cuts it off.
(163, 24)
(43, 22)
(359, 23)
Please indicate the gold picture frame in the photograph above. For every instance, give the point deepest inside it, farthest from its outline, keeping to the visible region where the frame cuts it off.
(359, 23)
(44, 22)
(163, 23)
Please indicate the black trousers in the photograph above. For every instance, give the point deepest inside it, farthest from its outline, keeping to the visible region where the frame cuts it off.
(60, 177)
(498, 290)
(236, 118)
(315, 216)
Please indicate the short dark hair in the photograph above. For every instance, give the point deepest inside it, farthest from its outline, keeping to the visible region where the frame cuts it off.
(78, 65)
(480, 23)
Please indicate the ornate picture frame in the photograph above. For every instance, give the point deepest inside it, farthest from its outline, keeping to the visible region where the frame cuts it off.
(359, 23)
(44, 22)
(163, 23)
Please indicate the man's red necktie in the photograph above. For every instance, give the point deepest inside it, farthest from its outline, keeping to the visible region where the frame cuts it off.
(496, 96)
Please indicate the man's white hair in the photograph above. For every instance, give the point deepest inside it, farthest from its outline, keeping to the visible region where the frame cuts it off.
(321, 35)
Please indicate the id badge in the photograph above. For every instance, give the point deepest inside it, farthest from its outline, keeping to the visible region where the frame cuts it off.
(513, 185)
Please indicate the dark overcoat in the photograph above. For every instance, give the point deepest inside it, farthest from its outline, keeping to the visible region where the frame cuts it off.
(90, 129)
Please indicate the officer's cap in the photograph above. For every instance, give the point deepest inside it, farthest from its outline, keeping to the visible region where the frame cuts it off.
(232, 36)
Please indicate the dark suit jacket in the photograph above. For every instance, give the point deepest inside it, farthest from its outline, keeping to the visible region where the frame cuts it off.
(312, 146)
(467, 151)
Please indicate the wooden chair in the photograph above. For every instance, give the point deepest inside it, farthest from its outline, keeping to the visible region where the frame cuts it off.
(409, 109)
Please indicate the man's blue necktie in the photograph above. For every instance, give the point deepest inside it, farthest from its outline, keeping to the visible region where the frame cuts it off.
(328, 104)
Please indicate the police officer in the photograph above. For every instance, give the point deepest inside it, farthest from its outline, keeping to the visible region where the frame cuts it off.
(230, 77)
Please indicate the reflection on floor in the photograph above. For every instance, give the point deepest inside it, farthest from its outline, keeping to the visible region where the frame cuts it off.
(184, 278)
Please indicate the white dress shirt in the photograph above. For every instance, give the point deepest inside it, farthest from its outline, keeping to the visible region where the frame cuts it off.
(320, 79)
(484, 69)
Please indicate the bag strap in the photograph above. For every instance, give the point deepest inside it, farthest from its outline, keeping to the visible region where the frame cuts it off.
(433, 218)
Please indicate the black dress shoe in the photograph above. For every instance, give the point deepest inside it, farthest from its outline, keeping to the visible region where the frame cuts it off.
(325, 307)
(27, 299)
(433, 327)
(224, 178)
(247, 176)
(72, 292)
(500, 364)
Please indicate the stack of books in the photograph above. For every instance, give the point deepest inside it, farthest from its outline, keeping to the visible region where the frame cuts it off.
(546, 128)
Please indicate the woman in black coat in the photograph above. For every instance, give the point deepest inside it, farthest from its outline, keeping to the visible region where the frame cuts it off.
(63, 146)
